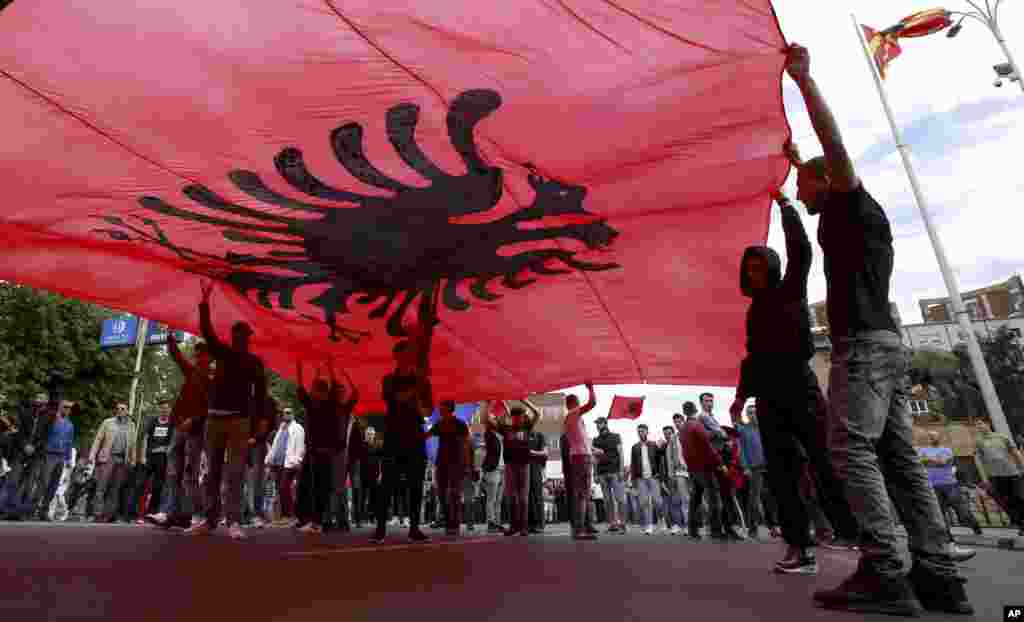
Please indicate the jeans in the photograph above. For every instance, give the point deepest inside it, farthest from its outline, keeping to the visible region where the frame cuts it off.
(155, 468)
(582, 474)
(412, 468)
(678, 500)
(470, 490)
(450, 492)
(873, 453)
(646, 490)
(256, 489)
(225, 436)
(16, 487)
(181, 489)
(614, 491)
(52, 467)
(755, 514)
(949, 495)
(110, 479)
(494, 488)
(536, 513)
(706, 482)
(339, 492)
(517, 489)
(316, 486)
(285, 479)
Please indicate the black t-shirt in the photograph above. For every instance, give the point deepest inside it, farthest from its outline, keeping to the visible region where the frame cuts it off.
(452, 434)
(158, 436)
(516, 440)
(404, 432)
(856, 238)
(326, 420)
(609, 443)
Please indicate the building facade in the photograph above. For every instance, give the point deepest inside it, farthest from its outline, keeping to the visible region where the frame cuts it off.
(999, 301)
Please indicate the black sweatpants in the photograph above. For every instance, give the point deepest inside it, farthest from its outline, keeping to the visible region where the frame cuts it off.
(411, 468)
(315, 487)
(792, 423)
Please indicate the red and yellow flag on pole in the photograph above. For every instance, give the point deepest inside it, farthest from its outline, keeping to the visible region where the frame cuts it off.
(884, 45)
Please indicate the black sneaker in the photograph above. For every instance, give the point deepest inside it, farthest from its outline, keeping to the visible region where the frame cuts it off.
(804, 563)
(415, 535)
(585, 535)
(694, 536)
(378, 537)
(938, 593)
(536, 531)
(494, 528)
(470, 528)
(866, 591)
(511, 532)
(734, 535)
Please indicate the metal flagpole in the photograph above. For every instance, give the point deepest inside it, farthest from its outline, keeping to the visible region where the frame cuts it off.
(140, 347)
(988, 390)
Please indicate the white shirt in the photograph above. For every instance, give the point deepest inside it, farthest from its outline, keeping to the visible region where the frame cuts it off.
(645, 464)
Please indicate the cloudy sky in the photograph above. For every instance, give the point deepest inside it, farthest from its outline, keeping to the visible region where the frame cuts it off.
(966, 136)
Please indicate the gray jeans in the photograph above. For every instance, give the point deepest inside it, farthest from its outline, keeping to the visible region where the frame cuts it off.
(181, 491)
(872, 449)
(225, 437)
(647, 492)
(614, 490)
(494, 488)
(755, 514)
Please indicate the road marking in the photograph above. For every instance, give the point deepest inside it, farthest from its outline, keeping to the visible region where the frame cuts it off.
(393, 547)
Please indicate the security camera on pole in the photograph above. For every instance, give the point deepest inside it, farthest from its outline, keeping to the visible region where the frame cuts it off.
(989, 16)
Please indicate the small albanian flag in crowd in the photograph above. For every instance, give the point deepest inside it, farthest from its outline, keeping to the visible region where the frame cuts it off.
(884, 45)
(626, 407)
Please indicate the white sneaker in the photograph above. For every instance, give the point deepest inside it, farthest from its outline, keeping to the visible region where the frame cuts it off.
(236, 532)
(394, 522)
(198, 529)
(258, 523)
(649, 531)
(405, 522)
(676, 530)
(223, 522)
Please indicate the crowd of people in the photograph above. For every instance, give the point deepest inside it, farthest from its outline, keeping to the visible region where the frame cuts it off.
(837, 472)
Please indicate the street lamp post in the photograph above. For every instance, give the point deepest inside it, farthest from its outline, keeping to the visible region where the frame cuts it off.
(988, 14)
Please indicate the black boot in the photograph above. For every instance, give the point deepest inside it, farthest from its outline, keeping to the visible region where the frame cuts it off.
(939, 593)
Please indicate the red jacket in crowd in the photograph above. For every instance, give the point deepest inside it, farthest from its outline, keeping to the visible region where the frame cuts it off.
(700, 456)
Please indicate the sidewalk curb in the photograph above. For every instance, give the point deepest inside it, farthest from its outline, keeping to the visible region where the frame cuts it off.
(1006, 544)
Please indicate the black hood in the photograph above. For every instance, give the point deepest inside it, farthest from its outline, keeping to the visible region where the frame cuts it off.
(774, 268)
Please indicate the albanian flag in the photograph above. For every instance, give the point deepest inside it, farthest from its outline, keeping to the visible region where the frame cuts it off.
(626, 407)
(577, 182)
(884, 45)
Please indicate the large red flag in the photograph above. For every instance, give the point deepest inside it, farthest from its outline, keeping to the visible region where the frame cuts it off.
(626, 407)
(579, 183)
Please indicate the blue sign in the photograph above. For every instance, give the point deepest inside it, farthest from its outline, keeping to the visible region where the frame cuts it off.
(463, 412)
(119, 332)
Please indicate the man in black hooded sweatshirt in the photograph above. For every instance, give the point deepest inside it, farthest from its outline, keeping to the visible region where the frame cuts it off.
(777, 373)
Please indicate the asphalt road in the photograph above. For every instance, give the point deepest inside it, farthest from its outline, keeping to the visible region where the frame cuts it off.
(121, 572)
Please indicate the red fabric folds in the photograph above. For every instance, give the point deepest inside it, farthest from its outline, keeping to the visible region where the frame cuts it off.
(580, 178)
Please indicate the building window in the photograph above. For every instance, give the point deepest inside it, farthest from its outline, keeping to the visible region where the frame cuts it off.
(918, 408)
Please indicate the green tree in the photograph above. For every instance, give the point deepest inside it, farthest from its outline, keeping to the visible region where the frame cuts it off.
(1004, 357)
(51, 343)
